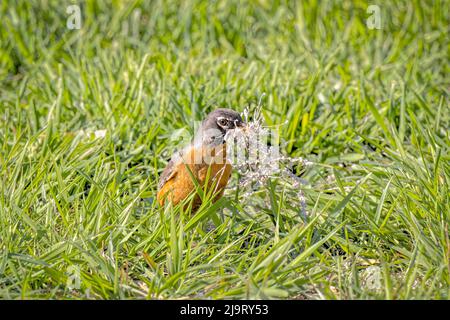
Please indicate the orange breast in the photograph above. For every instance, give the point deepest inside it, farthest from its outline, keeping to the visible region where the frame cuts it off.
(199, 162)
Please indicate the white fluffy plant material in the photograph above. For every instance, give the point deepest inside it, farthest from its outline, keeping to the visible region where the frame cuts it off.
(255, 153)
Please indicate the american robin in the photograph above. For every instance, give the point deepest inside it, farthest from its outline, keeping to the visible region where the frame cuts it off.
(202, 161)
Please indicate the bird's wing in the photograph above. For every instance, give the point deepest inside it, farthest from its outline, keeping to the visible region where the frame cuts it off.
(171, 169)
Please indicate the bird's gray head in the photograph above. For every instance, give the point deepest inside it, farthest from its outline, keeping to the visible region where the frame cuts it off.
(216, 125)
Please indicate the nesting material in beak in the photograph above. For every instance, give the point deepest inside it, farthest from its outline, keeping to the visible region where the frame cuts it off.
(258, 159)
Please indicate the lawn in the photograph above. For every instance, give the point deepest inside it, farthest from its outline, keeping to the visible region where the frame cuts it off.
(89, 118)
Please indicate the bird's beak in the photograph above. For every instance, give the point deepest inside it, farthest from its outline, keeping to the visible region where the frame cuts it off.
(242, 126)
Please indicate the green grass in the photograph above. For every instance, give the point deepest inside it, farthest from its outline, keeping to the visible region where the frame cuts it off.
(369, 107)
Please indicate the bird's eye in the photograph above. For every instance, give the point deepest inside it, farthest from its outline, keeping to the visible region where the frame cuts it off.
(223, 122)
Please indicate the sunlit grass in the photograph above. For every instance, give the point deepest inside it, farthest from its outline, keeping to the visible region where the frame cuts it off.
(86, 127)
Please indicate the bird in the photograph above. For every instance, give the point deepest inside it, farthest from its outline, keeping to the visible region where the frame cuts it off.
(202, 162)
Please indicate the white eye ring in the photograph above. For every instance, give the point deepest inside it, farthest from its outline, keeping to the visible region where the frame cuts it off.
(222, 122)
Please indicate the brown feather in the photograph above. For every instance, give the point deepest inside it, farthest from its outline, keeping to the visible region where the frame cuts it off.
(176, 182)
